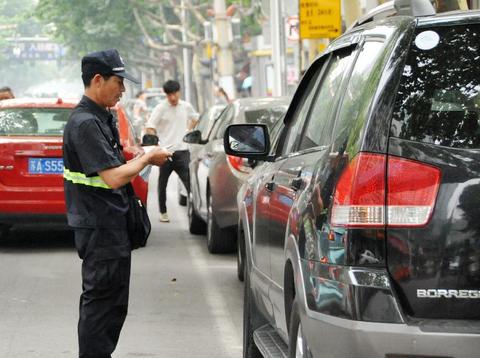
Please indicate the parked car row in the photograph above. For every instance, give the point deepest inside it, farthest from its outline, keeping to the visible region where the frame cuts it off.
(31, 164)
(215, 177)
(359, 229)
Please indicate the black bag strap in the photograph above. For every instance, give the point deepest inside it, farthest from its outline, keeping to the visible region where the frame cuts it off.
(130, 191)
(116, 137)
(114, 130)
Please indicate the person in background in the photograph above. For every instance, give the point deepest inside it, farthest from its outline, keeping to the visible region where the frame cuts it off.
(221, 97)
(6, 93)
(140, 113)
(170, 120)
(95, 178)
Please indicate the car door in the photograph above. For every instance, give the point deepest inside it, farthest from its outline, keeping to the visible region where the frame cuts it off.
(434, 258)
(322, 245)
(303, 148)
(266, 214)
(206, 157)
(195, 150)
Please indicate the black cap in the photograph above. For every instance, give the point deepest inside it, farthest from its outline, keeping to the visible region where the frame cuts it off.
(106, 62)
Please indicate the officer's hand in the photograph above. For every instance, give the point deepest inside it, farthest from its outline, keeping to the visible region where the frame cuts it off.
(158, 156)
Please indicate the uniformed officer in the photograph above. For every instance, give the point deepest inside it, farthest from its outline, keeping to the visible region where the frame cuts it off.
(94, 177)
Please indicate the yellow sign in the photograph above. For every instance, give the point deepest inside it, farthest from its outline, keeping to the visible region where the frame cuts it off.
(320, 19)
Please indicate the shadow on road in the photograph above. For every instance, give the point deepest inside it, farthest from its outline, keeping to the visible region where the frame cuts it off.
(24, 240)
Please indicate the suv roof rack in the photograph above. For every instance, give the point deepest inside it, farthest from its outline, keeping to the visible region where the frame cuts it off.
(416, 8)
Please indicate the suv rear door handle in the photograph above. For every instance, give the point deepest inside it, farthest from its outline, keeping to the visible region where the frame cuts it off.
(296, 183)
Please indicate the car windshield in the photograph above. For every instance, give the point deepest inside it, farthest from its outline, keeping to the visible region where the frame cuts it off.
(438, 100)
(152, 101)
(267, 116)
(33, 121)
(207, 120)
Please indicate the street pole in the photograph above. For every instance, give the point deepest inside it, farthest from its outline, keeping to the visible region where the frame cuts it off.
(277, 30)
(224, 53)
(352, 11)
(187, 75)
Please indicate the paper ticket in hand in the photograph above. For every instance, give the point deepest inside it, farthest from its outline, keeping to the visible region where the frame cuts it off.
(149, 148)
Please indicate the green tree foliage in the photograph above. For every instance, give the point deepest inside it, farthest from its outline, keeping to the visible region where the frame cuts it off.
(250, 19)
(90, 25)
(16, 20)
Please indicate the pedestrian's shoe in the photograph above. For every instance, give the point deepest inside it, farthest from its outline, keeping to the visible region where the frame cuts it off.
(164, 218)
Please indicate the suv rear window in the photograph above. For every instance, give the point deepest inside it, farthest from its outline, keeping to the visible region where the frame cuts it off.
(438, 99)
(33, 121)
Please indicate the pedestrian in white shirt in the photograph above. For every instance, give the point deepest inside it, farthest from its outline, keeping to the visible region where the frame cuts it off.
(170, 120)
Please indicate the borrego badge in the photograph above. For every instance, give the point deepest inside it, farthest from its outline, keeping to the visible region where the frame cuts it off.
(445, 293)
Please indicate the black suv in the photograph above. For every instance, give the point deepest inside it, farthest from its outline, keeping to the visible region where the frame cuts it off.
(361, 231)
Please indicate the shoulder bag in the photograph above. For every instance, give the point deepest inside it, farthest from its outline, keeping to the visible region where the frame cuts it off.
(138, 223)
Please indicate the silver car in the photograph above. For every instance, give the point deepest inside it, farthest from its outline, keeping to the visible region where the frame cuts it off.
(216, 177)
(204, 126)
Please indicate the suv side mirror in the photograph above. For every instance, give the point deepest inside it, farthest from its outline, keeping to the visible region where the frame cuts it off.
(247, 140)
(194, 137)
(149, 139)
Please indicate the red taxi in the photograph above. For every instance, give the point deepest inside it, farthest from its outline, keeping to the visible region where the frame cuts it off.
(31, 165)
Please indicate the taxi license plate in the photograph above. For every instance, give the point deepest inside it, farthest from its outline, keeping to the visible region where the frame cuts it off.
(45, 165)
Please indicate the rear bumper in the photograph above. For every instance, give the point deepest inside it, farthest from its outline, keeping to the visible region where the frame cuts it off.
(34, 220)
(328, 336)
(358, 315)
(225, 206)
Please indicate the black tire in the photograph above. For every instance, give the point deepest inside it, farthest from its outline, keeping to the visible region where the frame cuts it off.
(196, 225)
(219, 240)
(241, 256)
(296, 336)
(250, 349)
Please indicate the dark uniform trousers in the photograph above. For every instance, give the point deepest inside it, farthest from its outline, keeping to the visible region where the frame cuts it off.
(179, 164)
(105, 286)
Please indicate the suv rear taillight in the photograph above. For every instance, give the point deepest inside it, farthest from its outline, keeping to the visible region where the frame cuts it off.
(412, 191)
(239, 164)
(362, 198)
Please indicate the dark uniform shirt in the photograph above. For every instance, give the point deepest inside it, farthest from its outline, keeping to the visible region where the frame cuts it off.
(90, 145)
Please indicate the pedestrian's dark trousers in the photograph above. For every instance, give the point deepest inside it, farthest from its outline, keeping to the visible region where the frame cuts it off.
(179, 164)
(105, 287)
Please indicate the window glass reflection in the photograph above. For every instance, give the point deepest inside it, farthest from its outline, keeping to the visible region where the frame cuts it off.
(248, 139)
(438, 100)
